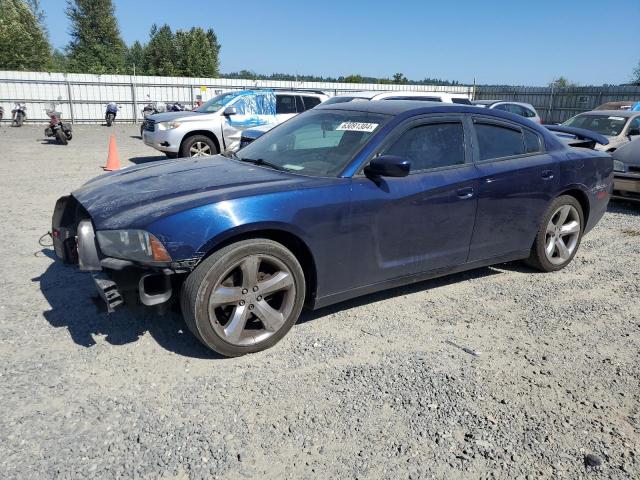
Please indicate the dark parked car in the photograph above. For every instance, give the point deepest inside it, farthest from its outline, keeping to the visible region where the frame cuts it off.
(626, 166)
(341, 201)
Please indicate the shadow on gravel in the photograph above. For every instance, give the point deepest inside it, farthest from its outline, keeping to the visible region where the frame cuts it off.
(154, 158)
(399, 291)
(626, 207)
(70, 294)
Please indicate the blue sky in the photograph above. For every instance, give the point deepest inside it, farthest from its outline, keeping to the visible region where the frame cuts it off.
(494, 41)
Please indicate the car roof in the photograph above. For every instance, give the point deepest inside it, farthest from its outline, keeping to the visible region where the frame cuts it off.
(613, 113)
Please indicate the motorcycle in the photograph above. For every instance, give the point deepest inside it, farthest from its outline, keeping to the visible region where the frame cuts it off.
(150, 109)
(110, 114)
(18, 114)
(175, 107)
(56, 128)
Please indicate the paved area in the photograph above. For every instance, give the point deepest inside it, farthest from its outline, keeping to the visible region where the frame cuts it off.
(367, 389)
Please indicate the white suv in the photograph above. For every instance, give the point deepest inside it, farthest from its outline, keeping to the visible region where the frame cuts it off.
(519, 108)
(401, 95)
(216, 125)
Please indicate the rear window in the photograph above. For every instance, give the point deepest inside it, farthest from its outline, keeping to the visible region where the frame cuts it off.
(495, 141)
(333, 100)
(462, 101)
(310, 102)
(532, 142)
(286, 104)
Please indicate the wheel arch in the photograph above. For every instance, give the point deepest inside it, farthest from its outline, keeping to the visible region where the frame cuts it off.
(583, 200)
(206, 133)
(292, 241)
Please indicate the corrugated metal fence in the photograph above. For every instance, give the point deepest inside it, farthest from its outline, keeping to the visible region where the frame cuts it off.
(555, 105)
(83, 97)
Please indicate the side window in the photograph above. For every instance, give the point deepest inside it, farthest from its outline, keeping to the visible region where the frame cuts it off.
(310, 102)
(502, 106)
(531, 142)
(634, 124)
(432, 145)
(241, 107)
(496, 141)
(528, 113)
(461, 101)
(286, 104)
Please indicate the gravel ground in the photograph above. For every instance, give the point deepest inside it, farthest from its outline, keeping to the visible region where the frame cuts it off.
(364, 389)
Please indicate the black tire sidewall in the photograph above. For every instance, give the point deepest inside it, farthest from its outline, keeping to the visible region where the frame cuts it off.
(188, 143)
(61, 137)
(540, 243)
(207, 275)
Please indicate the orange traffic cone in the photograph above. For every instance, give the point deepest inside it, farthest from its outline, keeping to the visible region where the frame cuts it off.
(113, 160)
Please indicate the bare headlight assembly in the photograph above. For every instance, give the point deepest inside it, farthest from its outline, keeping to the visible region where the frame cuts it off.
(136, 245)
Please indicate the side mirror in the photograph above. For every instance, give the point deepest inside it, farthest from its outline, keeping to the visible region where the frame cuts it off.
(633, 132)
(230, 111)
(388, 166)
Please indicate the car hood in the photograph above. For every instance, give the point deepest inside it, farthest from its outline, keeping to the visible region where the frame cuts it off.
(137, 196)
(170, 116)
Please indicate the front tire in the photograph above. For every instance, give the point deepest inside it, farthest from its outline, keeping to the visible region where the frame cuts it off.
(244, 298)
(559, 235)
(109, 120)
(19, 120)
(198, 146)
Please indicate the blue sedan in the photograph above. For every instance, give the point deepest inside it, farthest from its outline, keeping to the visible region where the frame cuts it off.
(340, 201)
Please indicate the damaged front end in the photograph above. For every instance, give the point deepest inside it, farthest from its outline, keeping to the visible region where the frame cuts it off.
(126, 265)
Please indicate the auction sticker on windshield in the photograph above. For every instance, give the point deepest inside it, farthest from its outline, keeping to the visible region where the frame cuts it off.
(357, 127)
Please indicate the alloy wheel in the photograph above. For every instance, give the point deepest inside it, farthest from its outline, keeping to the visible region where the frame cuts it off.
(200, 149)
(562, 235)
(252, 300)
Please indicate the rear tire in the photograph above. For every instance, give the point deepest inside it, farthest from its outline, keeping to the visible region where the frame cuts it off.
(109, 120)
(62, 137)
(198, 146)
(559, 235)
(222, 299)
(171, 154)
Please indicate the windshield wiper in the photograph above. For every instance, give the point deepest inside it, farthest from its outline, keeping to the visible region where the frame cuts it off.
(260, 161)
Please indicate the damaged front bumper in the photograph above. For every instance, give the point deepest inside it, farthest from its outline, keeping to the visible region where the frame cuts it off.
(75, 243)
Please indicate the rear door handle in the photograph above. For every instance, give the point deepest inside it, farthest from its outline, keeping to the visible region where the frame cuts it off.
(465, 193)
(547, 174)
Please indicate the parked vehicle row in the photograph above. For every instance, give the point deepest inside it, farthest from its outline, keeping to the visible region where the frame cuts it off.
(216, 125)
(342, 200)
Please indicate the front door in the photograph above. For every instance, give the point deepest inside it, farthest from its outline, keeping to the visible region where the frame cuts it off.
(424, 221)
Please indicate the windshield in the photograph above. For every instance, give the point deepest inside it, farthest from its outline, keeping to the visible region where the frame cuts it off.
(341, 99)
(216, 103)
(608, 125)
(316, 143)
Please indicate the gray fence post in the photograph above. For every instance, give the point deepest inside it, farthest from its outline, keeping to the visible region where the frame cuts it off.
(135, 102)
(70, 99)
(550, 109)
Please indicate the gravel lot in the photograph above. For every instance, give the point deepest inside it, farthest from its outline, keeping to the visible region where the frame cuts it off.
(365, 389)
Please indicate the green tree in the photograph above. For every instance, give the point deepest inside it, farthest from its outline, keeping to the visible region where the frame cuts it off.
(353, 79)
(96, 45)
(136, 58)
(198, 52)
(399, 78)
(636, 75)
(23, 39)
(59, 62)
(562, 82)
(161, 54)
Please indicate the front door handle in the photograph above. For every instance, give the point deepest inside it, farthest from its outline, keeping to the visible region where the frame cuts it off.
(465, 193)
(547, 174)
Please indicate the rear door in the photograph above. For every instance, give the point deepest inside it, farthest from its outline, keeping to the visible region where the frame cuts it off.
(423, 221)
(517, 180)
